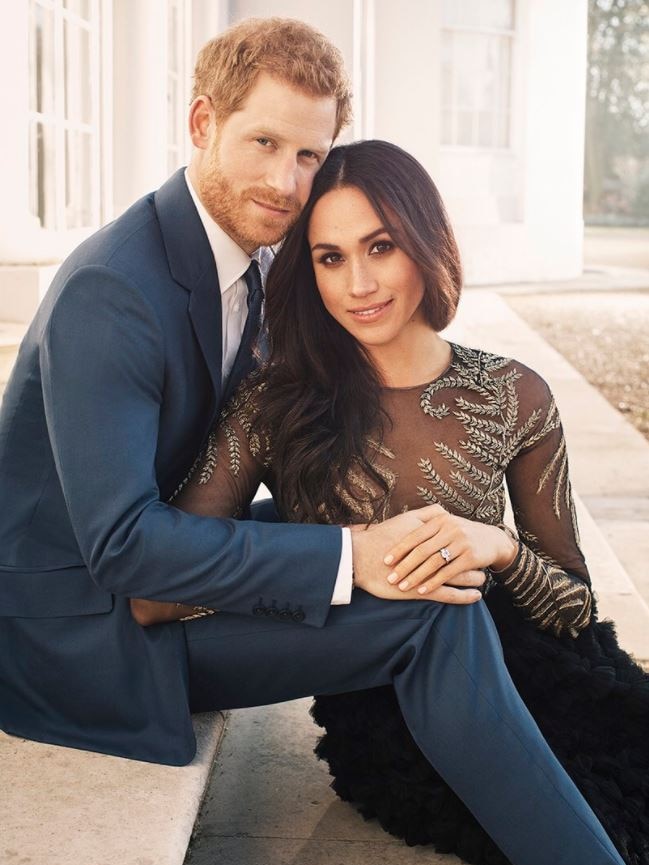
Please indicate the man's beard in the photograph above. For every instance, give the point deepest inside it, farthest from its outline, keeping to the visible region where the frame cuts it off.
(231, 209)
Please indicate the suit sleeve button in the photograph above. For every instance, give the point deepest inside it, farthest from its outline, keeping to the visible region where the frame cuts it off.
(285, 614)
(298, 616)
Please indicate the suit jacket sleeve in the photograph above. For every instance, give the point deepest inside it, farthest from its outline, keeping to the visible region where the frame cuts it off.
(103, 366)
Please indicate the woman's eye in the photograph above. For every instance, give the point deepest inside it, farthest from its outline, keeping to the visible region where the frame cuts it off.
(330, 258)
(381, 246)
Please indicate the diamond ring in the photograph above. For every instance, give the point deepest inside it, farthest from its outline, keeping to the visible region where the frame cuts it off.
(444, 553)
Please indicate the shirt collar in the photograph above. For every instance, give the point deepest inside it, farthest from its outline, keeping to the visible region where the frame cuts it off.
(231, 261)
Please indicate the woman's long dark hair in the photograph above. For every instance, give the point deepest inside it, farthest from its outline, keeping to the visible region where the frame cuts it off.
(322, 400)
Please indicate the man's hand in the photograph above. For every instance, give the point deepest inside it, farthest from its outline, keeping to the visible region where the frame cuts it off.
(370, 545)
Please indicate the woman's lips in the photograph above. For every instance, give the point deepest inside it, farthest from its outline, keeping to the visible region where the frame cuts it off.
(370, 314)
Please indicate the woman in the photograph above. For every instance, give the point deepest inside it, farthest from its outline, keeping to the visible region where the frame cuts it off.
(363, 411)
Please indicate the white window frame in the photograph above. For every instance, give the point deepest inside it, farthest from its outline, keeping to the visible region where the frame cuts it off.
(60, 124)
(511, 34)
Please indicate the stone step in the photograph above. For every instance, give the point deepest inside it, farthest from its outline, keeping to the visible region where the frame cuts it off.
(61, 806)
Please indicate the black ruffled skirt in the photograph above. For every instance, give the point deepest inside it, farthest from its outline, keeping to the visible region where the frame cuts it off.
(590, 700)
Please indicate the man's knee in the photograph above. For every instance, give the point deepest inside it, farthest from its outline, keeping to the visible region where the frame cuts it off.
(470, 626)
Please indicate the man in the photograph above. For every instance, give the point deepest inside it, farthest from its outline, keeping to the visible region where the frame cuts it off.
(118, 382)
(141, 336)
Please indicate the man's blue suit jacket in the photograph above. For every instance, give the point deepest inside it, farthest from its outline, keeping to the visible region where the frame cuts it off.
(116, 385)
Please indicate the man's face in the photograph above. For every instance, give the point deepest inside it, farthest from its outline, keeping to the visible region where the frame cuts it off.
(256, 173)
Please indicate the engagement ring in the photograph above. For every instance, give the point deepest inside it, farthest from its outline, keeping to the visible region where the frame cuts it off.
(444, 553)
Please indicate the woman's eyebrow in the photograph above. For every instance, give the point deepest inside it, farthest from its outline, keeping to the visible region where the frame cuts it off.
(373, 234)
(366, 239)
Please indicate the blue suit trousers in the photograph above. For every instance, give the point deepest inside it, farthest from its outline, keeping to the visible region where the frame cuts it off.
(457, 698)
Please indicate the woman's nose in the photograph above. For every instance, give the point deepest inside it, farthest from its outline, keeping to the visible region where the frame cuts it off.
(363, 282)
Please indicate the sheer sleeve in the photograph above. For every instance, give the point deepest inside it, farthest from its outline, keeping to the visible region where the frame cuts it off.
(548, 579)
(234, 462)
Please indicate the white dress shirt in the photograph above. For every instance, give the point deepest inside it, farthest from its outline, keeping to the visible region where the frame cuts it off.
(231, 264)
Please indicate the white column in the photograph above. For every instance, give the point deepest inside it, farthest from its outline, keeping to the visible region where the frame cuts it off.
(139, 99)
(406, 77)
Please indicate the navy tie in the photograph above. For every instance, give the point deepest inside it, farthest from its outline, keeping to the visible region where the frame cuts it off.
(245, 359)
(255, 300)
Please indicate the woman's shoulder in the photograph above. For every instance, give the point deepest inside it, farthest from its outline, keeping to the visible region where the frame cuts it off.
(516, 391)
(247, 394)
(482, 366)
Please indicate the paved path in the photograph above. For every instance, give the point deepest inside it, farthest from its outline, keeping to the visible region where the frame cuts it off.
(621, 247)
(270, 803)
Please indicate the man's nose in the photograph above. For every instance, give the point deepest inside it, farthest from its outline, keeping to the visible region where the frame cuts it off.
(282, 176)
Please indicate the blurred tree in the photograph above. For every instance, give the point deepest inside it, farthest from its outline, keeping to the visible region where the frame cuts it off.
(617, 108)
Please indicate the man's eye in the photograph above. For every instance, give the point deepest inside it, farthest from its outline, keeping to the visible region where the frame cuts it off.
(264, 141)
(310, 155)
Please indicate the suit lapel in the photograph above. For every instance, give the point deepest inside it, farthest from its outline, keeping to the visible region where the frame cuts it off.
(191, 263)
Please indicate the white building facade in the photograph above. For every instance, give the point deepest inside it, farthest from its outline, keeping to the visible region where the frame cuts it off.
(488, 94)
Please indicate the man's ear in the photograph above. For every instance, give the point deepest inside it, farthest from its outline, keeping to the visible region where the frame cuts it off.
(201, 119)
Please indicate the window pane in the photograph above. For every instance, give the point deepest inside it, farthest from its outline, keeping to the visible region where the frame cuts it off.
(172, 37)
(494, 14)
(175, 82)
(502, 130)
(485, 129)
(447, 127)
(473, 14)
(78, 179)
(173, 160)
(468, 67)
(452, 13)
(476, 85)
(42, 173)
(78, 73)
(79, 7)
(504, 79)
(446, 84)
(172, 111)
(42, 59)
(464, 133)
(486, 56)
(499, 14)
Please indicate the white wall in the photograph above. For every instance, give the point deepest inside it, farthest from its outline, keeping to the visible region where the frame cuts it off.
(406, 82)
(517, 213)
(544, 169)
(334, 18)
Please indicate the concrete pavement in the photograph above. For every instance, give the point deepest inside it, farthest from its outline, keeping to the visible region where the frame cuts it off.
(269, 802)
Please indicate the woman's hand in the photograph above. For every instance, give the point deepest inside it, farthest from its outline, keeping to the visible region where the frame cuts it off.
(443, 547)
(369, 545)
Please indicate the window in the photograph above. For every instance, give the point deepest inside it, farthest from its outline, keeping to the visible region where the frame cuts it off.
(477, 40)
(64, 113)
(176, 82)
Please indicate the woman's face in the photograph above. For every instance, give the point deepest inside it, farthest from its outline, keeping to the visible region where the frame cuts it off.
(369, 285)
